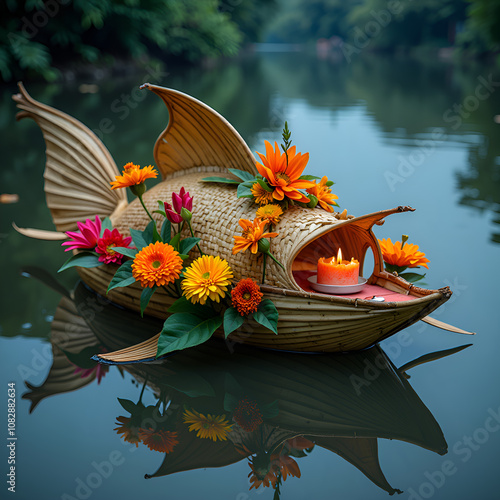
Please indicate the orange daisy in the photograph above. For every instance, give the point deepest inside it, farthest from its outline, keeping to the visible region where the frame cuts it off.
(406, 255)
(270, 214)
(284, 177)
(253, 232)
(246, 296)
(133, 175)
(159, 439)
(324, 194)
(261, 195)
(129, 431)
(157, 264)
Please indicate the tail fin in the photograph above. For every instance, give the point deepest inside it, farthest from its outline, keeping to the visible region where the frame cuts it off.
(78, 169)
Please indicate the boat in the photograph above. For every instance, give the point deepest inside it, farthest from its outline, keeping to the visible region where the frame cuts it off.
(198, 141)
(337, 406)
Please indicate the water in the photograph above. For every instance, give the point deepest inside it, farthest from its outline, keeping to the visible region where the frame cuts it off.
(389, 132)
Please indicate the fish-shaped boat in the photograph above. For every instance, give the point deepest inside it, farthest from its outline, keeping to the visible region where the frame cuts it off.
(198, 140)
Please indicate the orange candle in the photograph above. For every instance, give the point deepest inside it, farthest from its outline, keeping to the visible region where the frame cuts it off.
(335, 271)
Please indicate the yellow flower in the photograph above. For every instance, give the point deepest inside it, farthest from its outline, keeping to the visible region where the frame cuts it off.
(253, 232)
(270, 214)
(210, 426)
(261, 195)
(324, 194)
(133, 175)
(207, 277)
(283, 176)
(406, 256)
(157, 264)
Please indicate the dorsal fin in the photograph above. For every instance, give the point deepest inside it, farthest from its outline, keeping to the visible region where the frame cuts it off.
(78, 169)
(197, 136)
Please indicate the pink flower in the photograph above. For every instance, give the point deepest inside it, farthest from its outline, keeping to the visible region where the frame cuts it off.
(85, 238)
(179, 201)
(105, 246)
(100, 371)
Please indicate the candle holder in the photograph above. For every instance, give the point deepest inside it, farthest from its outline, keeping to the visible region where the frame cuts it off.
(336, 289)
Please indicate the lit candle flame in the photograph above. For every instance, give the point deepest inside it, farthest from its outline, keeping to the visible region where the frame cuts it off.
(339, 256)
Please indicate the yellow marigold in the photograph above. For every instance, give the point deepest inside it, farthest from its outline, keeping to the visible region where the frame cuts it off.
(207, 277)
(406, 255)
(208, 426)
(157, 264)
(159, 439)
(133, 175)
(261, 196)
(324, 194)
(253, 232)
(270, 214)
(246, 296)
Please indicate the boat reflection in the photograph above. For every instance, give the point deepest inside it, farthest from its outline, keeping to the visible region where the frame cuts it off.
(218, 403)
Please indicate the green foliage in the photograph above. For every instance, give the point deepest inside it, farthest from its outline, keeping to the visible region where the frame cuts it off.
(267, 315)
(37, 37)
(82, 259)
(123, 276)
(232, 320)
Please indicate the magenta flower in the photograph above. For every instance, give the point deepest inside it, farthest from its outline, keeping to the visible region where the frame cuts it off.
(105, 246)
(179, 201)
(85, 238)
(100, 371)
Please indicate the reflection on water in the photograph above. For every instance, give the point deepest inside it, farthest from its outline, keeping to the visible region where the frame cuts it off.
(216, 406)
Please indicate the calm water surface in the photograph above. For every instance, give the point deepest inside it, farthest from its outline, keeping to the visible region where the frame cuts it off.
(388, 132)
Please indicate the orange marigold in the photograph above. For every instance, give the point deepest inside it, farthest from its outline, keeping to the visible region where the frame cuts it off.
(157, 264)
(282, 175)
(261, 195)
(406, 255)
(324, 194)
(246, 296)
(253, 232)
(270, 214)
(159, 439)
(133, 175)
(130, 432)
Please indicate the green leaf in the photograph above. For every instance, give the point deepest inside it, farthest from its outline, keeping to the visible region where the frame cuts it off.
(244, 191)
(82, 358)
(166, 231)
(189, 383)
(150, 234)
(182, 330)
(106, 224)
(82, 259)
(308, 177)
(391, 268)
(188, 244)
(232, 320)
(223, 180)
(230, 402)
(138, 239)
(183, 305)
(161, 208)
(264, 185)
(241, 174)
(123, 276)
(270, 410)
(146, 295)
(175, 241)
(128, 405)
(267, 315)
(233, 387)
(412, 277)
(129, 252)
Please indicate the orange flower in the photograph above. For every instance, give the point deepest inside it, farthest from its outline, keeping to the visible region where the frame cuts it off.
(284, 177)
(324, 194)
(133, 175)
(247, 414)
(157, 264)
(129, 431)
(261, 195)
(267, 473)
(406, 256)
(159, 440)
(270, 214)
(253, 232)
(246, 296)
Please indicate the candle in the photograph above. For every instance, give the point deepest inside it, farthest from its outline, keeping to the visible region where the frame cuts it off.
(335, 271)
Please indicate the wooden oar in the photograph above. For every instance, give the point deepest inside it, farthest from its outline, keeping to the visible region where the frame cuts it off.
(445, 326)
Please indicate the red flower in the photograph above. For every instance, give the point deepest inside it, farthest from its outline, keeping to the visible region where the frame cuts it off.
(247, 415)
(85, 238)
(105, 246)
(179, 201)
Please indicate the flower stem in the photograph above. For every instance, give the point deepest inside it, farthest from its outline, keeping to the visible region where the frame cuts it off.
(192, 234)
(143, 387)
(275, 260)
(144, 206)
